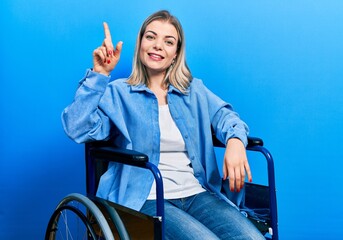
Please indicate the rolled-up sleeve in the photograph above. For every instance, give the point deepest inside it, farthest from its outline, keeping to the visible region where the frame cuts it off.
(82, 120)
(225, 122)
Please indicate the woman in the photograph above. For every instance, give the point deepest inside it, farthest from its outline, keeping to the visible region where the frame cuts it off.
(162, 111)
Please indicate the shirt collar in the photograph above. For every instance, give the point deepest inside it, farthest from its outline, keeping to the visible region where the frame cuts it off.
(140, 88)
(143, 87)
(172, 88)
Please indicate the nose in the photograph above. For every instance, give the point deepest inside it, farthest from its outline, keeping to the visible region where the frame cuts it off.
(158, 44)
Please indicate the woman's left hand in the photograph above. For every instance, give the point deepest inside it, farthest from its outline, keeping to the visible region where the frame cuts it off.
(236, 164)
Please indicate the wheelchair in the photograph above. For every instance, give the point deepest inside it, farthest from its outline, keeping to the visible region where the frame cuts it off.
(89, 217)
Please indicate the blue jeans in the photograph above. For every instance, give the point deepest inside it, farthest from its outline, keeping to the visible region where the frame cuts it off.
(203, 216)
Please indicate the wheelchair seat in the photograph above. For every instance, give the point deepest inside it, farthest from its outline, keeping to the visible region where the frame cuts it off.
(102, 219)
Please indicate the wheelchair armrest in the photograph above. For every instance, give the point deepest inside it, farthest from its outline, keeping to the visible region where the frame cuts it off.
(106, 154)
(252, 141)
(120, 155)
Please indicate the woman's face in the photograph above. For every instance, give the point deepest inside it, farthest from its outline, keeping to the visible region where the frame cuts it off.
(158, 46)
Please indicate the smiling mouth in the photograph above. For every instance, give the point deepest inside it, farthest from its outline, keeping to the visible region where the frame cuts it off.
(155, 56)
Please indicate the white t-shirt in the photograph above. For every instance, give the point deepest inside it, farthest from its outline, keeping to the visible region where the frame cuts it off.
(177, 174)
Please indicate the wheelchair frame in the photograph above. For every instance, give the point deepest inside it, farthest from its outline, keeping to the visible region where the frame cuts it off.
(104, 153)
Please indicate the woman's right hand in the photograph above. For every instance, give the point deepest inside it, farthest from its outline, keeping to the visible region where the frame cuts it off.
(105, 57)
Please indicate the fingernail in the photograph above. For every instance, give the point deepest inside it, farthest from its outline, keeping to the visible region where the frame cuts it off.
(110, 52)
(108, 61)
(105, 61)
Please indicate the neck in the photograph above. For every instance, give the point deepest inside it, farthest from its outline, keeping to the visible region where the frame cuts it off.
(159, 88)
(157, 81)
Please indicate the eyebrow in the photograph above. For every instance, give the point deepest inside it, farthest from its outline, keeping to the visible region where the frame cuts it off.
(156, 34)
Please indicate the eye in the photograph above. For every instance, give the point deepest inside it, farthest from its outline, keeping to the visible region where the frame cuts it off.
(149, 37)
(169, 42)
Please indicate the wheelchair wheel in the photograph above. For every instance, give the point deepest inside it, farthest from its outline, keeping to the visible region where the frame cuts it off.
(77, 217)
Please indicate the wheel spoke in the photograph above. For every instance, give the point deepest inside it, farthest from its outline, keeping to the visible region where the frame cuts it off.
(77, 217)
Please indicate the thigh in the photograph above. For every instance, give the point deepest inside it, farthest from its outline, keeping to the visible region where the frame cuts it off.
(222, 218)
(179, 224)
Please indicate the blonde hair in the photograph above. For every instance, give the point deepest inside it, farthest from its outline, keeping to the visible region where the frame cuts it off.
(178, 74)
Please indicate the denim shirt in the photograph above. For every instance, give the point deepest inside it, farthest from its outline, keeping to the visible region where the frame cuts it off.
(129, 115)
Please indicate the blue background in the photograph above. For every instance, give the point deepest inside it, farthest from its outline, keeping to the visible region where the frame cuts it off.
(278, 62)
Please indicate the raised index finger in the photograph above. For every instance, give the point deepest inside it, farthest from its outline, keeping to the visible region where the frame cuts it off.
(107, 31)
